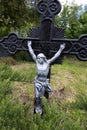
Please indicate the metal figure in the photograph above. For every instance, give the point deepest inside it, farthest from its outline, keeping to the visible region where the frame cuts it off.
(41, 82)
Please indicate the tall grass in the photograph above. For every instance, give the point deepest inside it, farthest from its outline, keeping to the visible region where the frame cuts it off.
(59, 113)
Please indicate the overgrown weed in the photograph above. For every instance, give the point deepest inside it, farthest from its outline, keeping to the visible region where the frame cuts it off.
(58, 114)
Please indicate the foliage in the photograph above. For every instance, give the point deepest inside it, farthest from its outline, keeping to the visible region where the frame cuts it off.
(15, 15)
(5, 72)
(83, 21)
(81, 102)
(22, 56)
(11, 13)
(71, 19)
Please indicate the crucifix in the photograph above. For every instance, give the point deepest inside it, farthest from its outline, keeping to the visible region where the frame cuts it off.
(46, 38)
(41, 82)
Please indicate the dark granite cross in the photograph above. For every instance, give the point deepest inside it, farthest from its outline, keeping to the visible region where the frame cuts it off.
(46, 38)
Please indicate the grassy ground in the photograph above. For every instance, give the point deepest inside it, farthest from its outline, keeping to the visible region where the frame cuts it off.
(67, 80)
(67, 107)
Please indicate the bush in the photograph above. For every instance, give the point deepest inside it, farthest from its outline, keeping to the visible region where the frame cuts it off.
(5, 88)
(81, 102)
(22, 56)
(5, 72)
(12, 115)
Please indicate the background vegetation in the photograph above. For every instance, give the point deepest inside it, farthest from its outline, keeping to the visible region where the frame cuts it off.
(20, 16)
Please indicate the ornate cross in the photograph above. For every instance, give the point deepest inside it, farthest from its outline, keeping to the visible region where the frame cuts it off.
(46, 38)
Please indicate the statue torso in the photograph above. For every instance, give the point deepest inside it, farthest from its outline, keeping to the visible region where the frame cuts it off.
(42, 70)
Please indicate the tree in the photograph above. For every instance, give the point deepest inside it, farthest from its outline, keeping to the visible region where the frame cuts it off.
(69, 20)
(83, 21)
(15, 14)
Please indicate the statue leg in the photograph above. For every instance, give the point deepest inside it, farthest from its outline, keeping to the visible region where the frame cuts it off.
(47, 90)
(38, 104)
(46, 95)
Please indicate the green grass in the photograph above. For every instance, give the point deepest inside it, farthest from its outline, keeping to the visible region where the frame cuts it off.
(67, 107)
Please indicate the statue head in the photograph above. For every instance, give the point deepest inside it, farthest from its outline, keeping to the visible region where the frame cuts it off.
(41, 58)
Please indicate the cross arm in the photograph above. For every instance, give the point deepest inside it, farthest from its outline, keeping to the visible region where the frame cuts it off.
(12, 43)
(76, 47)
(62, 46)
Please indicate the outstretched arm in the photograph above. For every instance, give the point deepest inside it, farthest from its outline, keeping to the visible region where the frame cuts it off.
(62, 46)
(31, 51)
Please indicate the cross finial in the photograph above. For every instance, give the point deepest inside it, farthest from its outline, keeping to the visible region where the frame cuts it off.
(48, 8)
